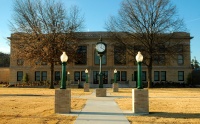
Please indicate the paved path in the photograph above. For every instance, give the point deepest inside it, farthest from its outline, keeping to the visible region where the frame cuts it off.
(100, 110)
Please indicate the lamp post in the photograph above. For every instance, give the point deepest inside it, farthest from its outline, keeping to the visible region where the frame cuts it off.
(86, 74)
(115, 76)
(139, 59)
(68, 78)
(63, 59)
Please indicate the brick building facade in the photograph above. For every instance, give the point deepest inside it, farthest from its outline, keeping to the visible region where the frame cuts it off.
(176, 71)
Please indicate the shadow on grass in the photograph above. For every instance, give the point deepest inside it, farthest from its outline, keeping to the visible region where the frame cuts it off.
(174, 115)
(24, 95)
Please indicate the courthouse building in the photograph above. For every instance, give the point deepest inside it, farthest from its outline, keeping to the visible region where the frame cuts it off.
(175, 71)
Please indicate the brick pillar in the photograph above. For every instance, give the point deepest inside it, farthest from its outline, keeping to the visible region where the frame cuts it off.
(86, 87)
(115, 87)
(62, 101)
(100, 92)
(140, 101)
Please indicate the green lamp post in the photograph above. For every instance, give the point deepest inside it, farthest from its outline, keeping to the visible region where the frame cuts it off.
(86, 74)
(139, 59)
(63, 59)
(115, 76)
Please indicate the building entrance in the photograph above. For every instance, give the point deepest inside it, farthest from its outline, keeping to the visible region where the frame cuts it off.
(96, 75)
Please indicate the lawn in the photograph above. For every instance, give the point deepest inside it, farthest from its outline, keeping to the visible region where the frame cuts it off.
(180, 106)
(36, 105)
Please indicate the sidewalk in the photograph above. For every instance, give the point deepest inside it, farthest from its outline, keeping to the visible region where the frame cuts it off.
(100, 110)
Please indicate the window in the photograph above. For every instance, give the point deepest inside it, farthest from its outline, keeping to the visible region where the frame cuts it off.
(44, 76)
(20, 61)
(81, 55)
(37, 76)
(159, 59)
(180, 75)
(119, 56)
(180, 59)
(43, 63)
(96, 59)
(19, 75)
(57, 75)
(163, 75)
(156, 76)
(118, 75)
(83, 76)
(144, 76)
(123, 75)
(76, 76)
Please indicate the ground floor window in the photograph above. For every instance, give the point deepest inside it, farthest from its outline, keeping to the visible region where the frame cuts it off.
(57, 75)
(156, 76)
(79, 76)
(144, 76)
(180, 75)
(96, 77)
(41, 76)
(121, 76)
(19, 75)
(163, 75)
(37, 76)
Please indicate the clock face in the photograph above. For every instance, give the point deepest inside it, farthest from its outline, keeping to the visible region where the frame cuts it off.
(100, 47)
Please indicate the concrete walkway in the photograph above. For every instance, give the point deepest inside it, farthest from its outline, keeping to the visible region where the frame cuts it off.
(100, 110)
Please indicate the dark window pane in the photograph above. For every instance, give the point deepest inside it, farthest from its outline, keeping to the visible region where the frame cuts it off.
(83, 76)
(119, 55)
(81, 55)
(123, 75)
(180, 76)
(156, 76)
(163, 75)
(19, 75)
(76, 76)
(37, 76)
(57, 75)
(44, 76)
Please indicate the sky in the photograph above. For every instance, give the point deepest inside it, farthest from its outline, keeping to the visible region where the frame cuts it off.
(97, 12)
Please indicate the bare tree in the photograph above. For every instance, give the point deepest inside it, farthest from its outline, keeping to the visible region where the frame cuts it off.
(44, 29)
(147, 26)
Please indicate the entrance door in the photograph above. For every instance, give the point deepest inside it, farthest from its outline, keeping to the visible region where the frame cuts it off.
(96, 75)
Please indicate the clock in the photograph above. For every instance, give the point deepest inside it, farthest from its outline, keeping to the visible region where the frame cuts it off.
(101, 47)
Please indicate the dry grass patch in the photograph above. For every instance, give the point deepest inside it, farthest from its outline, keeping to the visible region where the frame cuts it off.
(34, 105)
(167, 106)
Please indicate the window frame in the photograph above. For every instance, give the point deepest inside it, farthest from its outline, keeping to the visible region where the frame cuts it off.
(43, 75)
(19, 76)
(161, 75)
(180, 76)
(156, 76)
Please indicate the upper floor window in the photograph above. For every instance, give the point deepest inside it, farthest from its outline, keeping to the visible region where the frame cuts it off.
(19, 75)
(20, 61)
(119, 56)
(180, 59)
(81, 55)
(97, 59)
(159, 59)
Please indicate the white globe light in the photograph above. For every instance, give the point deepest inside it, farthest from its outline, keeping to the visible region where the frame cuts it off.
(64, 57)
(139, 57)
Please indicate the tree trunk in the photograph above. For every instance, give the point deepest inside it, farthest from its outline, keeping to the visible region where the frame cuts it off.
(51, 80)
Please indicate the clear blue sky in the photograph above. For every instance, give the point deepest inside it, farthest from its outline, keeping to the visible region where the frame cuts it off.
(96, 12)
